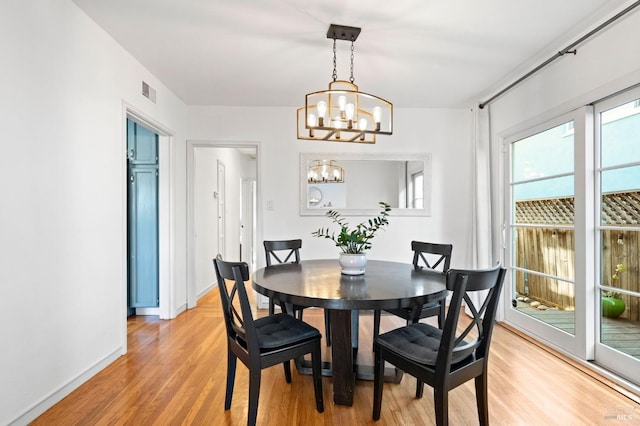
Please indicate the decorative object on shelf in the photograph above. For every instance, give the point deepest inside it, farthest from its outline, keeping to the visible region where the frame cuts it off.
(612, 304)
(343, 113)
(354, 242)
(325, 171)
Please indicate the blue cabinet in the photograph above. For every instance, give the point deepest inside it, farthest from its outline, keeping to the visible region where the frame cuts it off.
(142, 217)
(142, 144)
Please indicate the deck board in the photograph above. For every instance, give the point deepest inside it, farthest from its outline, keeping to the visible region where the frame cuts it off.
(618, 333)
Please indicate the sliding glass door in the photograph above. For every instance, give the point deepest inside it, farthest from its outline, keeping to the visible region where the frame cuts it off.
(573, 233)
(541, 231)
(618, 188)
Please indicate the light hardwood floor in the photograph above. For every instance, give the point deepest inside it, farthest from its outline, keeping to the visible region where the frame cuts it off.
(174, 373)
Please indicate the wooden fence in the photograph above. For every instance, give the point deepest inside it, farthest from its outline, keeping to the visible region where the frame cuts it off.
(551, 251)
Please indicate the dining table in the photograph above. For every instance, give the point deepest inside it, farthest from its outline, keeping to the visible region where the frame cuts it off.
(320, 283)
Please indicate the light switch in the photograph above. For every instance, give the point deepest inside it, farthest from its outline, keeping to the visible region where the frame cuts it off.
(269, 204)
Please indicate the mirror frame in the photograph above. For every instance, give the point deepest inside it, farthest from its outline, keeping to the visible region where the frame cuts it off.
(305, 157)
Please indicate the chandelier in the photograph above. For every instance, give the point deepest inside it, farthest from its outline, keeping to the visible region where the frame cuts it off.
(325, 171)
(343, 113)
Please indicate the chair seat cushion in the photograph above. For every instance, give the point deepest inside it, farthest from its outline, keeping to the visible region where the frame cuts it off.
(279, 330)
(406, 312)
(418, 342)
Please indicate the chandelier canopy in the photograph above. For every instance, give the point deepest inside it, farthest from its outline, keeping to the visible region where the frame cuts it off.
(343, 113)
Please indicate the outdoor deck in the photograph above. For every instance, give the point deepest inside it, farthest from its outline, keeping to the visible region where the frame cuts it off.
(620, 334)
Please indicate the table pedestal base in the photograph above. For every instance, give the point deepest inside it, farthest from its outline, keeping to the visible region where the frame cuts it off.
(343, 367)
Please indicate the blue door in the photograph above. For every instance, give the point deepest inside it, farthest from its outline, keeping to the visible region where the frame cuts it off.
(142, 218)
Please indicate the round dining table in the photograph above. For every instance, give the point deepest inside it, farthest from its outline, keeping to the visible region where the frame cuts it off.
(319, 283)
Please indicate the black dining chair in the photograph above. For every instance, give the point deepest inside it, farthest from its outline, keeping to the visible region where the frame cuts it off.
(444, 359)
(425, 255)
(288, 251)
(278, 252)
(262, 342)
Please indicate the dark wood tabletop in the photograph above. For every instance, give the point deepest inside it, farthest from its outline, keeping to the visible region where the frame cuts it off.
(385, 285)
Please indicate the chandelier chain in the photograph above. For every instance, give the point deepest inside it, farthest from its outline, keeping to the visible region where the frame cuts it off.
(335, 72)
(351, 79)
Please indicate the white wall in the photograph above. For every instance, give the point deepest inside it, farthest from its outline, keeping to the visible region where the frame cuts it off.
(62, 172)
(446, 134)
(603, 65)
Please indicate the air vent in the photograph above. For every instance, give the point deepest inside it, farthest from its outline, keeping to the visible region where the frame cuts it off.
(148, 92)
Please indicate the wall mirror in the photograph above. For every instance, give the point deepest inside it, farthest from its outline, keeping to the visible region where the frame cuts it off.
(355, 183)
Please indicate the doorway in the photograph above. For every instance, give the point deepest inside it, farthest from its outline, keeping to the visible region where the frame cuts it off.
(166, 284)
(217, 209)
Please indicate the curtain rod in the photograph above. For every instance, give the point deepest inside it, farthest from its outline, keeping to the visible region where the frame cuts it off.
(569, 49)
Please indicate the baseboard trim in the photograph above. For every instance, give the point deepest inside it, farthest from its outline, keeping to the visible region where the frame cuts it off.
(205, 291)
(148, 311)
(180, 309)
(56, 396)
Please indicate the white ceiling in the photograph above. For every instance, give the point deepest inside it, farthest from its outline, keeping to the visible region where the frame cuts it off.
(414, 53)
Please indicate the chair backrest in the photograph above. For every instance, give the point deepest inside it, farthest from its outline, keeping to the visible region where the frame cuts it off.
(239, 324)
(476, 344)
(286, 248)
(432, 256)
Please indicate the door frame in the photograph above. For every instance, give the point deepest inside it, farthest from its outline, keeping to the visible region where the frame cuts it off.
(248, 211)
(221, 197)
(192, 297)
(166, 235)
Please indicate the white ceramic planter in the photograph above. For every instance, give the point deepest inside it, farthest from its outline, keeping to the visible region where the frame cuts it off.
(353, 264)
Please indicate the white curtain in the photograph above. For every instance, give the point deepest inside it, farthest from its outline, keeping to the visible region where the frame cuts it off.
(481, 251)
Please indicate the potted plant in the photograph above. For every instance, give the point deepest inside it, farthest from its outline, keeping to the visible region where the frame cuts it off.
(612, 304)
(354, 242)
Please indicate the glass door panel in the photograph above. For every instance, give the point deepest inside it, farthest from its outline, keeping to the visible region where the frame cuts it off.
(618, 125)
(541, 223)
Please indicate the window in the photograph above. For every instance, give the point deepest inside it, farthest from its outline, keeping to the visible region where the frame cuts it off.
(417, 190)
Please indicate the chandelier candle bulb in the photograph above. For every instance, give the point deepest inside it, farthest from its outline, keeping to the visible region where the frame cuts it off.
(342, 102)
(322, 110)
(312, 122)
(362, 125)
(349, 110)
(377, 115)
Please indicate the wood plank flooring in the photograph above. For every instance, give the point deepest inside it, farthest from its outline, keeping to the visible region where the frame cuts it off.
(174, 374)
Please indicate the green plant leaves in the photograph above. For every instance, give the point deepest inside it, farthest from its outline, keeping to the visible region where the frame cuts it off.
(359, 238)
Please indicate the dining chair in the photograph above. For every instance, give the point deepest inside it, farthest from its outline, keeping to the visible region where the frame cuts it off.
(445, 358)
(288, 251)
(262, 342)
(425, 255)
(278, 252)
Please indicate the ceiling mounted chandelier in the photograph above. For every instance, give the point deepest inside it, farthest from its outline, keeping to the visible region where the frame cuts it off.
(343, 113)
(325, 171)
